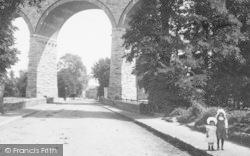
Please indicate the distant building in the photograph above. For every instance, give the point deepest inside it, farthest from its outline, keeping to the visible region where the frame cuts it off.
(91, 92)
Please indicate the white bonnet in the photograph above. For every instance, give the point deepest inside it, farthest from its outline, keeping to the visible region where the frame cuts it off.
(221, 111)
(211, 119)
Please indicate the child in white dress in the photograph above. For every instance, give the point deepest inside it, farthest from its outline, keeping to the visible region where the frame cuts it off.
(211, 132)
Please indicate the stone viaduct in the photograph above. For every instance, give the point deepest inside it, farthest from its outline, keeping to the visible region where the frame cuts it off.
(44, 25)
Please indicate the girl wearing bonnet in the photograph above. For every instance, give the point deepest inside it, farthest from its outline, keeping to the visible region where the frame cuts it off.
(211, 132)
(222, 127)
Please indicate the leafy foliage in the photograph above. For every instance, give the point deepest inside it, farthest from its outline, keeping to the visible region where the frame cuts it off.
(239, 121)
(220, 44)
(7, 53)
(72, 76)
(11, 89)
(22, 82)
(16, 86)
(187, 48)
(153, 39)
(101, 71)
(7, 10)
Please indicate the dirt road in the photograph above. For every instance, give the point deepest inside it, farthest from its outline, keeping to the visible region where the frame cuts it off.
(86, 129)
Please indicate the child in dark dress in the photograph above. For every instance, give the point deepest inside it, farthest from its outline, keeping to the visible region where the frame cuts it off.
(222, 126)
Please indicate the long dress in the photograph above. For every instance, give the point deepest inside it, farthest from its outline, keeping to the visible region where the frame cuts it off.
(221, 128)
(211, 131)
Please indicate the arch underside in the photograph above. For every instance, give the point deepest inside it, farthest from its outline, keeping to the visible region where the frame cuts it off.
(54, 18)
(19, 13)
(128, 12)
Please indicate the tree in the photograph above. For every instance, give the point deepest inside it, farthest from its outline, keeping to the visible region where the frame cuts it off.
(153, 41)
(224, 42)
(11, 89)
(101, 71)
(22, 83)
(180, 45)
(16, 86)
(7, 53)
(72, 76)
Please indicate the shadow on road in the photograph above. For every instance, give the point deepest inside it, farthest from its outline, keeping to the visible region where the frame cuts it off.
(76, 114)
(74, 109)
(76, 104)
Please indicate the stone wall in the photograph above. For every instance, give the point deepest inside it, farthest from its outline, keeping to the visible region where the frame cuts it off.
(23, 103)
(123, 105)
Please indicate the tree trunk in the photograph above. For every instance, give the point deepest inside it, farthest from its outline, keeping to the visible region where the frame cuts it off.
(2, 87)
(166, 11)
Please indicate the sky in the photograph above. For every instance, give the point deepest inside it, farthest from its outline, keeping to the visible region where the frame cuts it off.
(22, 36)
(87, 34)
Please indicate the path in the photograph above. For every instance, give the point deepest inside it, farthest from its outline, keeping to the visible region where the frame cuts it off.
(183, 133)
(86, 128)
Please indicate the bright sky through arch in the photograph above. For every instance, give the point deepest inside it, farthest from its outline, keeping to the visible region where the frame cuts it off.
(87, 34)
(22, 38)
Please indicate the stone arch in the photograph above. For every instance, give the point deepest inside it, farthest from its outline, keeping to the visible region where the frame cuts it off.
(19, 13)
(130, 89)
(57, 14)
(130, 9)
(42, 72)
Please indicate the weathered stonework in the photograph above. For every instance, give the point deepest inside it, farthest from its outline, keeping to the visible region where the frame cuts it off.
(46, 22)
(129, 85)
(117, 53)
(42, 76)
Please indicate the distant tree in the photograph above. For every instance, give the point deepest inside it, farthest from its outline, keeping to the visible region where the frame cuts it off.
(101, 70)
(92, 93)
(21, 83)
(11, 89)
(8, 57)
(65, 80)
(16, 86)
(72, 76)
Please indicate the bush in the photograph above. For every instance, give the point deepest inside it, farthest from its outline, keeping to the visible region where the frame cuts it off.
(196, 109)
(207, 112)
(191, 114)
(146, 109)
(242, 138)
(236, 116)
(238, 120)
(201, 128)
(178, 112)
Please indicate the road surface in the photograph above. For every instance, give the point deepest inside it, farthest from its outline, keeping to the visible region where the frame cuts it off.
(86, 129)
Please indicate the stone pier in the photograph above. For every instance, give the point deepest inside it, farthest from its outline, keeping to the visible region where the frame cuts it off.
(45, 23)
(42, 75)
